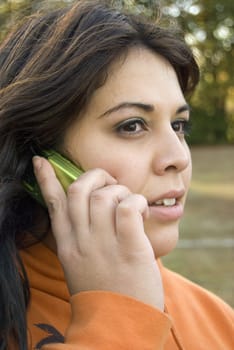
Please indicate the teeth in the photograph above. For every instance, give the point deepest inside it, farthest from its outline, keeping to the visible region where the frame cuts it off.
(168, 202)
(160, 202)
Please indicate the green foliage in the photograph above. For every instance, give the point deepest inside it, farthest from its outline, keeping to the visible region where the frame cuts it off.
(208, 28)
(211, 126)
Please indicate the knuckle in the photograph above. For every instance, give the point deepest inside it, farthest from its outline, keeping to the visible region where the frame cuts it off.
(123, 189)
(70, 251)
(97, 172)
(125, 210)
(131, 205)
(74, 188)
(65, 254)
(140, 198)
(54, 204)
(101, 174)
(101, 171)
(100, 196)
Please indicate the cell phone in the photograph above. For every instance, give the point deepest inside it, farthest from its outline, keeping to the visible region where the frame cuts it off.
(65, 170)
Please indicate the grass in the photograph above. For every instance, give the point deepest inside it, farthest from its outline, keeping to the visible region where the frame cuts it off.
(209, 214)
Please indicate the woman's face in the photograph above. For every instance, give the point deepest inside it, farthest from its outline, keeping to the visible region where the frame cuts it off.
(133, 127)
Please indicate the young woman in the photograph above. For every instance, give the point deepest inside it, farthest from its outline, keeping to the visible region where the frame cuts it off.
(107, 91)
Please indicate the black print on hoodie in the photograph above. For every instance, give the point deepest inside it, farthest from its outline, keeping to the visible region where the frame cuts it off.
(54, 336)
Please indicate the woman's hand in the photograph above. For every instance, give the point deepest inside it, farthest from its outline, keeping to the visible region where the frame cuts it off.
(99, 232)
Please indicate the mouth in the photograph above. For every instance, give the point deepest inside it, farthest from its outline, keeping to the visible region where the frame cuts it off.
(167, 207)
(168, 199)
(166, 202)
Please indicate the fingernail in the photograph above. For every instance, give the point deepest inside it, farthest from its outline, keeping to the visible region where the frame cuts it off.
(37, 162)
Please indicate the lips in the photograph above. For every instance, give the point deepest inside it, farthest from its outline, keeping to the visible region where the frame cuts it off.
(167, 207)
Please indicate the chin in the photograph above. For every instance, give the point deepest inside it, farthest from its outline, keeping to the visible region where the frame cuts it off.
(163, 239)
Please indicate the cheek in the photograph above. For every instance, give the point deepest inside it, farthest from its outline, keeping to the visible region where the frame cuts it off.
(122, 168)
(116, 161)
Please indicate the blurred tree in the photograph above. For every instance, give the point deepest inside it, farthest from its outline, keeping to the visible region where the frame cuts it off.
(208, 28)
(208, 25)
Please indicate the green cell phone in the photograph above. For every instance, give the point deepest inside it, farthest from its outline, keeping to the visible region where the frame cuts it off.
(65, 170)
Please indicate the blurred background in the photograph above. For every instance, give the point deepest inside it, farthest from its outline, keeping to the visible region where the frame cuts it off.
(205, 253)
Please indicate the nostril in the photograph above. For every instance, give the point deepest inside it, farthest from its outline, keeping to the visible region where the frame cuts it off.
(171, 167)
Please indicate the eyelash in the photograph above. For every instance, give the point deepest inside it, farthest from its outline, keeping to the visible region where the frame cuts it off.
(183, 124)
(131, 122)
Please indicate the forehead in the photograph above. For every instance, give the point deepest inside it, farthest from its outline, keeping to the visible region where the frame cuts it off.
(141, 76)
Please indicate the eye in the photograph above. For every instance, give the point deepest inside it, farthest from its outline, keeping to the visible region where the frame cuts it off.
(131, 126)
(182, 126)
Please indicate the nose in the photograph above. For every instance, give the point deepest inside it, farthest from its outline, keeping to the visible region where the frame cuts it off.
(171, 154)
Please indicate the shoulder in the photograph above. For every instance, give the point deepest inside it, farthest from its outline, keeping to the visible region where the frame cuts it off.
(187, 295)
(198, 316)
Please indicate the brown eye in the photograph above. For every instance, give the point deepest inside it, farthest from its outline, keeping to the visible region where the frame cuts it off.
(181, 126)
(132, 126)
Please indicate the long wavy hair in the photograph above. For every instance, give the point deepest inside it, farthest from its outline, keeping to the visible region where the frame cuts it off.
(49, 68)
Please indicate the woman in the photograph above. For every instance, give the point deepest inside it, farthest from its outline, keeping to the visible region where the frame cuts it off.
(107, 91)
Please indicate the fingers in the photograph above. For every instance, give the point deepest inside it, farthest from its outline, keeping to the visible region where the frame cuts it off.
(130, 214)
(69, 212)
(94, 204)
(53, 194)
(79, 193)
(103, 204)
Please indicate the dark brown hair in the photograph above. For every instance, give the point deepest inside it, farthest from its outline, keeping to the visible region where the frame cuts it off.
(49, 69)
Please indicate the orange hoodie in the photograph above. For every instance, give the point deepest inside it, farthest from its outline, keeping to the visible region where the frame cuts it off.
(194, 319)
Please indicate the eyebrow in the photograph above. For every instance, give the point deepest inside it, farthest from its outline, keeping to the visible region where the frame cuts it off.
(142, 106)
(184, 108)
